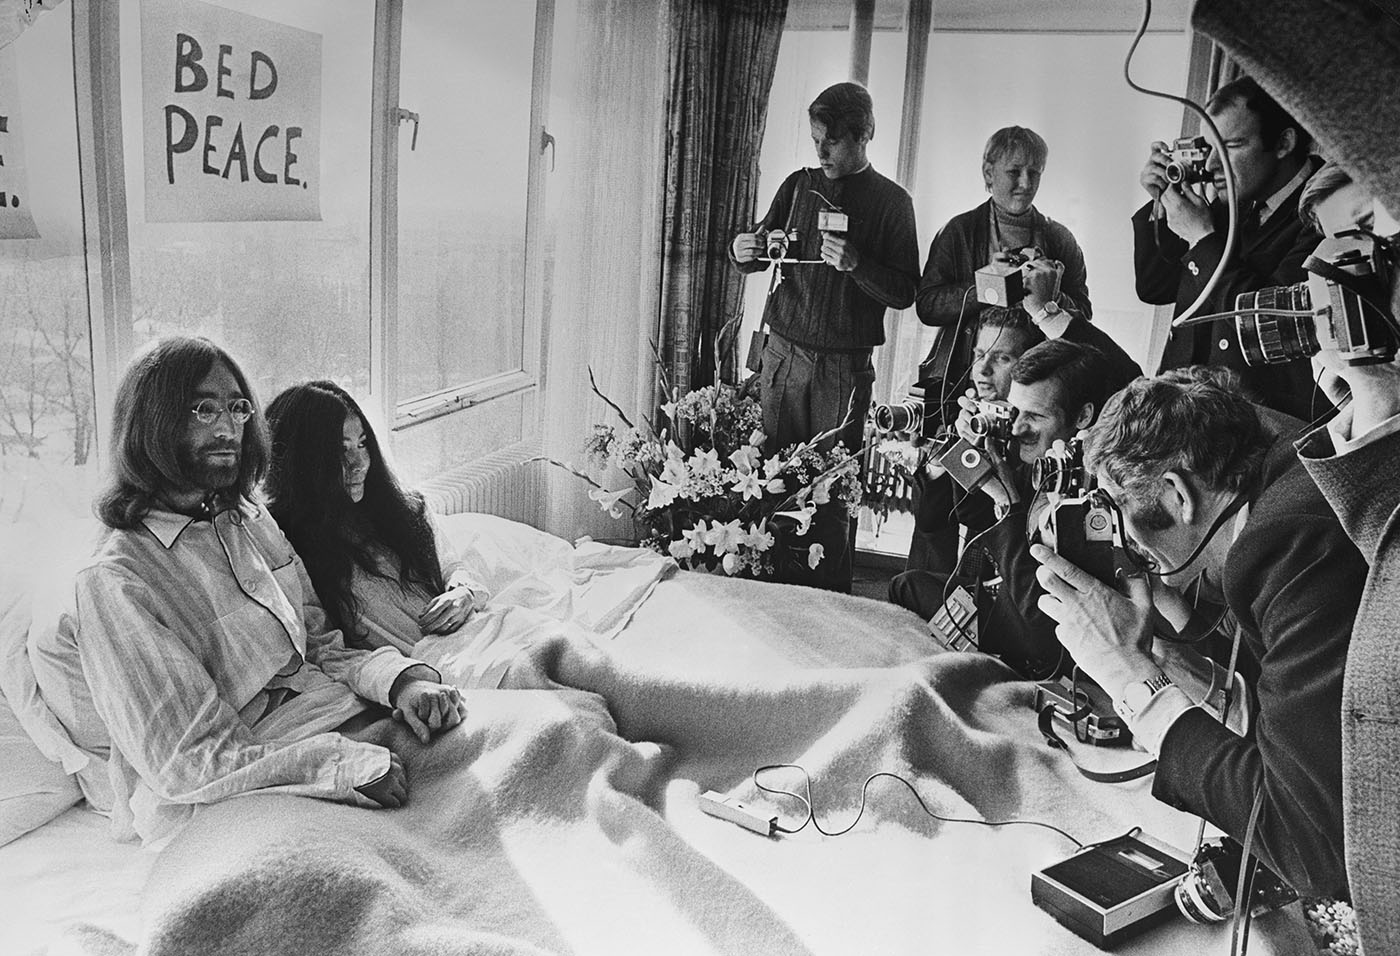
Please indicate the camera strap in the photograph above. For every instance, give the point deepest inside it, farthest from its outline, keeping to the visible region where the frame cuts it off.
(1043, 720)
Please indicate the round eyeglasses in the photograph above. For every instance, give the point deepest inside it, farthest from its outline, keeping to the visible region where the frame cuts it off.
(207, 411)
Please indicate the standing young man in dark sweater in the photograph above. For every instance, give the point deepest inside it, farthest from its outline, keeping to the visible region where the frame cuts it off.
(1179, 239)
(826, 313)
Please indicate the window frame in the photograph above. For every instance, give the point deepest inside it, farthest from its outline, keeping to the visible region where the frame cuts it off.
(398, 411)
(106, 239)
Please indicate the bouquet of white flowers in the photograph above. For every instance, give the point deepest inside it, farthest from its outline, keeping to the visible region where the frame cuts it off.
(702, 491)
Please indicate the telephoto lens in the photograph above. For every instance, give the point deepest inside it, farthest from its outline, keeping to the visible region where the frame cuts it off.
(903, 417)
(1269, 334)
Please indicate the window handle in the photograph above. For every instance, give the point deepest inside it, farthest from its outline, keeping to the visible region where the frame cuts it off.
(402, 115)
(547, 142)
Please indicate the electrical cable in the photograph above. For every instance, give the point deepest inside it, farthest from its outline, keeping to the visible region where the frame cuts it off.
(1218, 143)
(811, 817)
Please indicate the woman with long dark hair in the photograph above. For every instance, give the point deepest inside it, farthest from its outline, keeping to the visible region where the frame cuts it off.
(384, 573)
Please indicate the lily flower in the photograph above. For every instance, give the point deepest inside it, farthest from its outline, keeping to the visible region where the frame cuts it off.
(662, 494)
(696, 536)
(726, 537)
(758, 538)
(673, 472)
(803, 519)
(749, 485)
(681, 548)
(746, 459)
(607, 500)
(705, 464)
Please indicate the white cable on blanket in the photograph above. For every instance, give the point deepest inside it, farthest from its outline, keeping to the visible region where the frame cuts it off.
(812, 817)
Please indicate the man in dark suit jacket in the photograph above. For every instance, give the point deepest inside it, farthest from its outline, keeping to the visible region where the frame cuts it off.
(1179, 240)
(1212, 498)
(1327, 61)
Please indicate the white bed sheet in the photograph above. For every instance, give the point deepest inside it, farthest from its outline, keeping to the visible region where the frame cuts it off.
(975, 892)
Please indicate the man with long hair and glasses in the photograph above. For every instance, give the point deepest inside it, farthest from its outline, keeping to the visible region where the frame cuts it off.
(1218, 505)
(210, 669)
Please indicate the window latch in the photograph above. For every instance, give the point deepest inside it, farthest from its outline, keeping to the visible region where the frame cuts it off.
(402, 115)
(547, 142)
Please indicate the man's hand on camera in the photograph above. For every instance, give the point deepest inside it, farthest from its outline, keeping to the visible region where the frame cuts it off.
(1002, 487)
(1374, 390)
(390, 790)
(1154, 175)
(1188, 212)
(747, 246)
(837, 251)
(1109, 634)
(1042, 282)
(967, 407)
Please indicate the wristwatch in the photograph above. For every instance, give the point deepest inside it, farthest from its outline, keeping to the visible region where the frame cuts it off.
(1049, 310)
(1137, 694)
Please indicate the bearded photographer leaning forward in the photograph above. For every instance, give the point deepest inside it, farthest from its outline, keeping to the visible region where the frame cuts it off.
(1220, 509)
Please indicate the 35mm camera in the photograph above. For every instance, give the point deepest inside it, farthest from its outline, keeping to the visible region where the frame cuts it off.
(1188, 163)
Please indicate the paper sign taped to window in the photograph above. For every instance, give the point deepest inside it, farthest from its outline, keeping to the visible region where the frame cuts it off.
(230, 115)
(16, 221)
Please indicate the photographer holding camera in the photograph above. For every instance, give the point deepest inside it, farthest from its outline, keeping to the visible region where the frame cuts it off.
(848, 252)
(1056, 389)
(827, 313)
(1054, 278)
(940, 506)
(1179, 236)
(1217, 504)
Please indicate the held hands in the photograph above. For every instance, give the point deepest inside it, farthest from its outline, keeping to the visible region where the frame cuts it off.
(390, 790)
(449, 611)
(429, 708)
(1107, 633)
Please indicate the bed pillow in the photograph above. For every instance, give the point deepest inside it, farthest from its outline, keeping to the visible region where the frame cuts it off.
(33, 789)
(498, 552)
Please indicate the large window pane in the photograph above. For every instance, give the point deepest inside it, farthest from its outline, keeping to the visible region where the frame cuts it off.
(467, 69)
(47, 447)
(290, 299)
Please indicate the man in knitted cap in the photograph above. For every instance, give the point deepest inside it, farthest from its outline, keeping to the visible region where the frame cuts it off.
(848, 253)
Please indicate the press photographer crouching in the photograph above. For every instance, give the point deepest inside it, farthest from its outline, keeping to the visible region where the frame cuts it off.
(1219, 508)
(1056, 389)
(940, 504)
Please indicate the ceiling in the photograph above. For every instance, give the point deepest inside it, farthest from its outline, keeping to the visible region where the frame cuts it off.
(1002, 16)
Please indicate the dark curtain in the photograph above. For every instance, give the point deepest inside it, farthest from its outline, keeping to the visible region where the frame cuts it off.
(723, 56)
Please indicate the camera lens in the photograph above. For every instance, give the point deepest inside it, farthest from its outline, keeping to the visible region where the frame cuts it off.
(898, 418)
(1175, 172)
(777, 244)
(1270, 336)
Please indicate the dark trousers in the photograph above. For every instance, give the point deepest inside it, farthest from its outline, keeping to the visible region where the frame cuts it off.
(804, 392)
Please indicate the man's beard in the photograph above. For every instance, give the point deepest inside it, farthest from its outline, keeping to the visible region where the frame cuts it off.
(203, 474)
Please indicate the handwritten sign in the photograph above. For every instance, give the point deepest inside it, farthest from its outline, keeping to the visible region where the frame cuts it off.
(231, 115)
(16, 222)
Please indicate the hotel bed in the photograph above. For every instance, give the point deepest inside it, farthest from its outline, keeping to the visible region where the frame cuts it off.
(566, 821)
